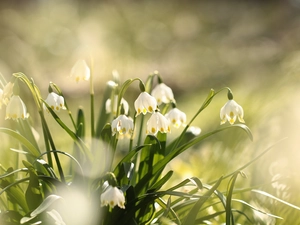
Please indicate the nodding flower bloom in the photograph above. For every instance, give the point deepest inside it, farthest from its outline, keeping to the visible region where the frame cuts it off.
(123, 125)
(194, 130)
(109, 108)
(6, 93)
(16, 108)
(176, 117)
(113, 196)
(158, 122)
(80, 71)
(230, 111)
(145, 103)
(55, 101)
(163, 94)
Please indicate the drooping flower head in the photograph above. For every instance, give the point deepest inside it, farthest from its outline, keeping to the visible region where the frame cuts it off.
(113, 196)
(6, 93)
(80, 71)
(230, 111)
(158, 123)
(16, 109)
(123, 125)
(176, 117)
(55, 101)
(163, 94)
(145, 103)
(109, 108)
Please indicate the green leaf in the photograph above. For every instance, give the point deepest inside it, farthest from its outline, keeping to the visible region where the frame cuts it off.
(28, 145)
(229, 216)
(256, 209)
(33, 193)
(172, 154)
(106, 134)
(275, 198)
(161, 182)
(10, 186)
(191, 216)
(80, 124)
(73, 135)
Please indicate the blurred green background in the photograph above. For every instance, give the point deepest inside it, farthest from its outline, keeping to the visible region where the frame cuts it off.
(253, 47)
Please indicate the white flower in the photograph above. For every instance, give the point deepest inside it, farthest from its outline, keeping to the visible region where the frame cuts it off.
(123, 125)
(6, 93)
(16, 108)
(145, 103)
(194, 130)
(55, 101)
(230, 111)
(163, 94)
(158, 122)
(176, 117)
(109, 108)
(113, 196)
(80, 71)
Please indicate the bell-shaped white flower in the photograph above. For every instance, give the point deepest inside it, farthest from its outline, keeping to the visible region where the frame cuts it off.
(145, 103)
(176, 117)
(55, 101)
(16, 109)
(158, 122)
(194, 130)
(109, 108)
(163, 94)
(7, 92)
(113, 196)
(123, 125)
(230, 111)
(80, 71)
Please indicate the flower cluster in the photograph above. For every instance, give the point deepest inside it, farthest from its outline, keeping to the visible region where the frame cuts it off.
(147, 103)
(126, 191)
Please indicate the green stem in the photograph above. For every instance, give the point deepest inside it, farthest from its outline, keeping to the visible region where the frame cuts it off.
(65, 102)
(92, 99)
(207, 101)
(48, 138)
(92, 116)
(140, 132)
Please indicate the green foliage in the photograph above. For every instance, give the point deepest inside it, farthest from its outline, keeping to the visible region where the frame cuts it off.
(133, 189)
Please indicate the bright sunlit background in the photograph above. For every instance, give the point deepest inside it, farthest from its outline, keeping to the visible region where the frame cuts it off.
(253, 47)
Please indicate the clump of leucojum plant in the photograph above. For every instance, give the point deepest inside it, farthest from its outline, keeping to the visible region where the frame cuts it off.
(94, 186)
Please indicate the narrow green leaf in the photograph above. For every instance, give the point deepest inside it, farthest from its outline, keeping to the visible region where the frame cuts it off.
(191, 217)
(33, 193)
(275, 198)
(172, 154)
(229, 216)
(73, 135)
(80, 124)
(256, 209)
(103, 116)
(30, 147)
(10, 186)
(161, 182)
